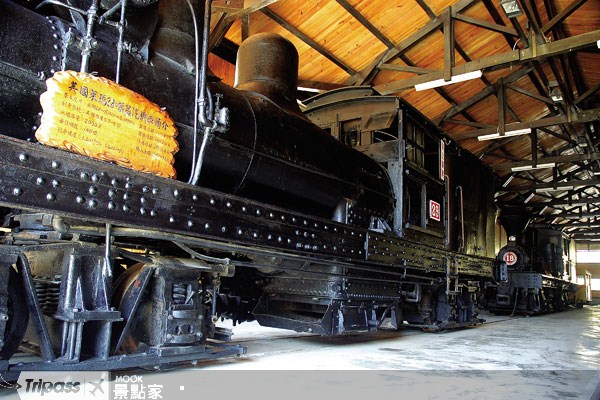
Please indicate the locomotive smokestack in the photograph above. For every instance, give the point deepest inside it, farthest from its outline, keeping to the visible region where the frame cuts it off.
(267, 63)
(514, 219)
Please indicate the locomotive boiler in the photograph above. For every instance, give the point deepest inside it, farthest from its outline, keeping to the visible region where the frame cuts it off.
(269, 151)
(273, 217)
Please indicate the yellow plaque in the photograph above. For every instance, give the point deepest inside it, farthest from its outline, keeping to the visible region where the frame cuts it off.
(104, 120)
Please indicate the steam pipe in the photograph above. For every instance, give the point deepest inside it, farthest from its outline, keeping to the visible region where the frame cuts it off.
(204, 118)
(120, 42)
(92, 15)
(198, 166)
(61, 4)
(110, 12)
(204, 115)
(196, 88)
(447, 222)
(107, 253)
(461, 248)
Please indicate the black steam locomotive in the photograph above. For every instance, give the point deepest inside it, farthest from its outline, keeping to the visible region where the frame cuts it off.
(331, 219)
(536, 269)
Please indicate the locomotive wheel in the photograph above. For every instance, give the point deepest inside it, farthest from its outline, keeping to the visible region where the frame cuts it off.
(18, 316)
(122, 296)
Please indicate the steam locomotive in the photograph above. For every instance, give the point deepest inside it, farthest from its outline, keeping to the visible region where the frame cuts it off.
(536, 269)
(337, 217)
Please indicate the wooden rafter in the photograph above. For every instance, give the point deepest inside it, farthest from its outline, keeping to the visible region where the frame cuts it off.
(410, 67)
(554, 159)
(564, 203)
(549, 186)
(583, 116)
(587, 94)
(362, 76)
(366, 23)
(561, 16)
(238, 8)
(488, 91)
(500, 60)
(309, 41)
(219, 31)
(485, 24)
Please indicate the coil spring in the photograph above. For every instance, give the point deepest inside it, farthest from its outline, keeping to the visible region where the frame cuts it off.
(179, 293)
(48, 293)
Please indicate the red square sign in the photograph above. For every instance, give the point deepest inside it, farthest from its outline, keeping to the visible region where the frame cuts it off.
(434, 210)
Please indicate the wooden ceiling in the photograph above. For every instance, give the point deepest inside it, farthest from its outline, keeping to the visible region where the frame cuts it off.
(392, 45)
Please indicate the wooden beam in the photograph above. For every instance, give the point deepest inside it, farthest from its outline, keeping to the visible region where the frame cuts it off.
(405, 68)
(365, 22)
(219, 31)
(558, 135)
(426, 8)
(587, 94)
(407, 43)
(487, 25)
(500, 93)
(574, 183)
(517, 89)
(227, 6)
(300, 35)
(581, 225)
(583, 116)
(373, 68)
(568, 10)
(448, 44)
(400, 48)
(325, 86)
(566, 203)
(468, 123)
(534, 147)
(497, 145)
(572, 213)
(515, 76)
(501, 60)
(250, 6)
(463, 5)
(245, 27)
(571, 158)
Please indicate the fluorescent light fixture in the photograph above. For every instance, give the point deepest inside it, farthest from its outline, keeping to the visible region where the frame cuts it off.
(508, 181)
(518, 132)
(496, 135)
(598, 44)
(307, 89)
(454, 79)
(529, 198)
(531, 167)
(488, 137)
(555, 189)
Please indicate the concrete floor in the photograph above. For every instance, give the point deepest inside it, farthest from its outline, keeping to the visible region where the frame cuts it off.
(555, 356)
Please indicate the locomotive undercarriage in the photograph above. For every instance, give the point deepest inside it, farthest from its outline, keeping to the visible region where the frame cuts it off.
(94, 306)
(530, 293)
